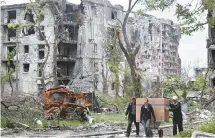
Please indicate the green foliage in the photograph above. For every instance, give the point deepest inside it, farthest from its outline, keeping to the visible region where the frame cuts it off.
(172, 85)
(139, 12)
(7, 75)
(38, 8)
(201, 81)
(110, 101)
(108, 117)
(114, 63)
(13, 26)
(186, 133)
(192, 15)
(208, 127)
(6, 123)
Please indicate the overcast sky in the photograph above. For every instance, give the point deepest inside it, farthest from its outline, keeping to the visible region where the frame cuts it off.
(191, 48)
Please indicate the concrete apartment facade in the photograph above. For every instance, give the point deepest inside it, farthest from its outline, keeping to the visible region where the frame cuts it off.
(81, 55)
(158, 56)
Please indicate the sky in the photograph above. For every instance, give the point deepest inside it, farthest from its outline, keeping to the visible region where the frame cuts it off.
(192, 49)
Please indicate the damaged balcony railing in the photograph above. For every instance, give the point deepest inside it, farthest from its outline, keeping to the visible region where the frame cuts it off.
(62, 57)
(68, 37)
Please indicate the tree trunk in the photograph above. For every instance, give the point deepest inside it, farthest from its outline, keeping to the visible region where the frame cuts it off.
(104, 77)
(11, 86)
(203, 88)
(55, 63)
(135, 77)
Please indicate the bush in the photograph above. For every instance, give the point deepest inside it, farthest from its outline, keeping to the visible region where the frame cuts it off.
(208, 127)
(6, 123)
(186, 133)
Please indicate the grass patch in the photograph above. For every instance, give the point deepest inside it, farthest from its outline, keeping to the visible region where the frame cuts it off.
(108, 117)
(71, 123)
(7, 123)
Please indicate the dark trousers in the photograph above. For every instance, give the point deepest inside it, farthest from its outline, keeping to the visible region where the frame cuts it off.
(179, 123)
(131, 119)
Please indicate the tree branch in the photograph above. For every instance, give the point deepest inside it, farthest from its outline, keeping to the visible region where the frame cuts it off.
(129, 5)
(136, 50)
(121, 46)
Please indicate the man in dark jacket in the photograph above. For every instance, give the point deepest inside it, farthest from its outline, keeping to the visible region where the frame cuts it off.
(145, 117)
(175, 107)
(131, 112)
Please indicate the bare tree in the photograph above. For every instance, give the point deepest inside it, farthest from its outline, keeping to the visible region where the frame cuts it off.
(126, 47)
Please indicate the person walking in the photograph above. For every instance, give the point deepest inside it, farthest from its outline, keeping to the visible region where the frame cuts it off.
(131, 113)
(175, 107)
(145, 117)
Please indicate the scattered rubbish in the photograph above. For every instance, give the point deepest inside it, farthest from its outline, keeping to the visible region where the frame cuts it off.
(90, 119)
(38, 122)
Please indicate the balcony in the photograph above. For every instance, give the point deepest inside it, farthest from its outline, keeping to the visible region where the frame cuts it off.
(69, 38)
(65, 58)
(71, 19)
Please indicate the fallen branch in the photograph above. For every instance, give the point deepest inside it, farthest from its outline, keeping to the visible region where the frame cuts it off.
(117, 109)
(6, 107)
(21, 124)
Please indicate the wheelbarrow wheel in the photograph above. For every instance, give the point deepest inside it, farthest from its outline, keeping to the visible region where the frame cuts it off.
(160, 133)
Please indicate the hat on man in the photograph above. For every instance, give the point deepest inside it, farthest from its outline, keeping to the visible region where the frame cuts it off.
(175, 98)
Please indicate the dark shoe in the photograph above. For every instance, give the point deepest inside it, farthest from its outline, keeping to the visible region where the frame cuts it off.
(137, 135)
(127, 135)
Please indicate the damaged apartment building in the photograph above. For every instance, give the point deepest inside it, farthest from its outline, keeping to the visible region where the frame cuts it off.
(29, 44)
(158, 56)
(80, 56)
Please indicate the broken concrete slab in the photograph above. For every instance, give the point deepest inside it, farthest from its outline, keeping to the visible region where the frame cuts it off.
(197, 134)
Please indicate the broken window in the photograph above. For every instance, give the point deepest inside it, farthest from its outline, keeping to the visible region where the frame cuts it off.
(27, 31)
(41, 52)
(26, 48)
(95, 48)
(96, 66)
(10, 66)
(11, 33)
(29, 16)
(11, 48)
(26, 67)
(213, 82)
(67, 51)
(213, 55)
(94, 10)
(113, 15)
(11, 15)
(31, 30)
(41, 47)
(42, 35)
(163, 33)
(112, 86)
(39, 70)
(42, 28)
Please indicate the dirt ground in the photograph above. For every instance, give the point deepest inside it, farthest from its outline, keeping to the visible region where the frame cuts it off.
(93, 131)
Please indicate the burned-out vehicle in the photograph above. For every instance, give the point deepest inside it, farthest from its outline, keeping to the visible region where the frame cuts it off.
(62, 103)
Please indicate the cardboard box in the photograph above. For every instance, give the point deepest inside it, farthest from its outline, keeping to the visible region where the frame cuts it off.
(160, 106)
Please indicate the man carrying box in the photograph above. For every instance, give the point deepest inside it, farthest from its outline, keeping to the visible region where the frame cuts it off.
(145, 117)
